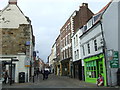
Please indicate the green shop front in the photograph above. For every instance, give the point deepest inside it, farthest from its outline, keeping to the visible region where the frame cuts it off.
(94, 66)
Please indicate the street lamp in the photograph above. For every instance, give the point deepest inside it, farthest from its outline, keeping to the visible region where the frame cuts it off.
(12, 59)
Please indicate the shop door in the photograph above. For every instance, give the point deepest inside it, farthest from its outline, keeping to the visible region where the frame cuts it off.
(100, 67)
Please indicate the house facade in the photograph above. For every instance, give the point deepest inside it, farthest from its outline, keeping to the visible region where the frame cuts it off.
(52, 59)
(17, 41)
(111, 28)
(58, 55)
(81, 18)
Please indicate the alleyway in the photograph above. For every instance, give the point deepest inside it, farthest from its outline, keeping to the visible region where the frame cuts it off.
(53, 82)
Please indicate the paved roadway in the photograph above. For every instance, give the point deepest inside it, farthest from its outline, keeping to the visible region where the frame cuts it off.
(53, 82)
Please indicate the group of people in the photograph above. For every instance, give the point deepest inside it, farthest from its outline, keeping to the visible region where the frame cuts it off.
(45, 73)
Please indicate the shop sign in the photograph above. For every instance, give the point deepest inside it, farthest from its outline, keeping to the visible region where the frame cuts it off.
(114, 63)
(27, 62)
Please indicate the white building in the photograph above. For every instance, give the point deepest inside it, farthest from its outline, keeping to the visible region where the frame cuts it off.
(11, 17)
(52, 58)
(111, 28)
(100, 36)
(78, 64)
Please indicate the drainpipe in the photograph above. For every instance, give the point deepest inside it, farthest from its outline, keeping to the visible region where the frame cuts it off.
(104, 50)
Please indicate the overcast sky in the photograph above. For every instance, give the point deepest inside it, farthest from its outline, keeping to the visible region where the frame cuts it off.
(48, 16)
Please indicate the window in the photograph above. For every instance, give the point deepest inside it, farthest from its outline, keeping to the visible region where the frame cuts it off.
(91, 69)
(77, 54)
(83, 50)
(65, 41)
(68, 53)
(68, 39)
(84, 28)
(76, 40)
(68, 27)
(96, 17)
(95, 45)
(88, 45)
(63, 55)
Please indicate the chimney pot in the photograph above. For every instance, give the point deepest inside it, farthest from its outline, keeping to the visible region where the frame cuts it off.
(84, 5)
(12, 1)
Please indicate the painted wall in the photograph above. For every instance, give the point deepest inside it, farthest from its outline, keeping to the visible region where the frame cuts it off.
(76, 46)
(89, 37)
(12, 17)
(20, 67)
(111, 31)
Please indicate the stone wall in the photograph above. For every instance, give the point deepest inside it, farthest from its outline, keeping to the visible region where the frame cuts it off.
(14, 40)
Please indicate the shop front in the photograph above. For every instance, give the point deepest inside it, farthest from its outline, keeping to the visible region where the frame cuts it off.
(94, 66)
(65, 66)
(77, 65)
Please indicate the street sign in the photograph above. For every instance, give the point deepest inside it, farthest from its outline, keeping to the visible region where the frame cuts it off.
(27, 62)
(115, 62)
(110, 55)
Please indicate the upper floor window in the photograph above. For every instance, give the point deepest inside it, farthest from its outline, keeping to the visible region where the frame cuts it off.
(76, 40)
(83, 50)
(84, 28)
(95, 45)
(77, 54)
(88, 45)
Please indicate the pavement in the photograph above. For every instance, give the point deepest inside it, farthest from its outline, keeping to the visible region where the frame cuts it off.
(54, 81)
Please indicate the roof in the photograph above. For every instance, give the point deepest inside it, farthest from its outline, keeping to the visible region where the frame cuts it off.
(104, 8)
(13, 17)
(100, 12)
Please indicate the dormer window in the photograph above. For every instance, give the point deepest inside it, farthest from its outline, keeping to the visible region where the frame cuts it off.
(96, 17)
(89, 23)
(84, 28)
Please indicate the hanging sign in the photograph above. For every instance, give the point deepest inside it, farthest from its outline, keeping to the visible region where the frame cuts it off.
(114, 63)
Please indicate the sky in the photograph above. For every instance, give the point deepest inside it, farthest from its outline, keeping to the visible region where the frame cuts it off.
(48, 16)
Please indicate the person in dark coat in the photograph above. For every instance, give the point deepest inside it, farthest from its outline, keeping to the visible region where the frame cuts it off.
(5, 75)
(45, 74)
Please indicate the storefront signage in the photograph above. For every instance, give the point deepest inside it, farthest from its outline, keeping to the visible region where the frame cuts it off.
(114, 63)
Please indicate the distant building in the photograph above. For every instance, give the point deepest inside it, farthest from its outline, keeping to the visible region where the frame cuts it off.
(58, 55)
(52, 59)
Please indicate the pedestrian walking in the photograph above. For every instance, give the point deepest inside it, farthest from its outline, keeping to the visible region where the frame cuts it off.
(100, 80)
(37, 73)
(45, 74)
(5, 76)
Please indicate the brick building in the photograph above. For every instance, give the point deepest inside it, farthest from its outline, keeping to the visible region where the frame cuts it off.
(75, 21)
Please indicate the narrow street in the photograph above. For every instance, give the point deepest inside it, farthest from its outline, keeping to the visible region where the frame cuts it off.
(52, 82)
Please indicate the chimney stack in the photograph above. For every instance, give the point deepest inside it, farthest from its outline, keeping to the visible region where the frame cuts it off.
(84, 5)
(12, 1)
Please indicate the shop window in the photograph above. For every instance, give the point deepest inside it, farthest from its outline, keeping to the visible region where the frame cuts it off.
(91, 69)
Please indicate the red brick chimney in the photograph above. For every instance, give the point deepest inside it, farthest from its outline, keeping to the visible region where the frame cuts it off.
(82, 16)
(12, 1)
